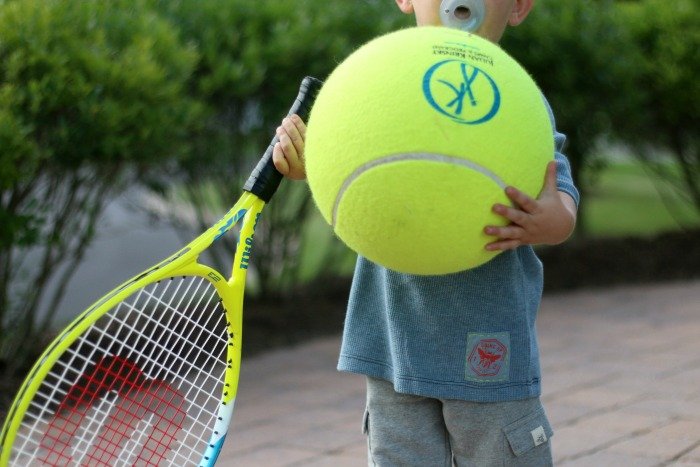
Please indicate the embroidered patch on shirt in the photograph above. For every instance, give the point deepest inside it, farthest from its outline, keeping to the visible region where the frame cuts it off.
(488, 357)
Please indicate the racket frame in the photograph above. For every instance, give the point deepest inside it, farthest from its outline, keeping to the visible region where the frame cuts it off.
(258, 190)
(182, 263)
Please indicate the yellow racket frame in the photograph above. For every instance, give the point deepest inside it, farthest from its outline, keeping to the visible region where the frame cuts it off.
(183, 263)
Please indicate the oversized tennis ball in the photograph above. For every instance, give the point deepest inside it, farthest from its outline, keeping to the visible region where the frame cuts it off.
(413, 138)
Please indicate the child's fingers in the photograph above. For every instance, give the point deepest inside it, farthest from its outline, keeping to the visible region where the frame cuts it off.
(287, 145)
(299, 124)
(279, 160)
(550, 178)
(508, 236)
(507, 232)
(288, 152)
(295, 130)
(520, 199)
(515, 216)
(503, 245)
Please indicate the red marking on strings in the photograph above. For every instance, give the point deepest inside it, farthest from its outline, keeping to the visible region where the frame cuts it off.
(138, 398)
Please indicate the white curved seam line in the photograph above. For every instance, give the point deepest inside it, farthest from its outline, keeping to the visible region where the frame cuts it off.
(417, 156)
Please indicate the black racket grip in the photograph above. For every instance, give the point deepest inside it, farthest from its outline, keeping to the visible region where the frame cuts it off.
(265, 178)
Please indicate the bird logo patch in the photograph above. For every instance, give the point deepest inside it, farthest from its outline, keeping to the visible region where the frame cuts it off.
(488, 357)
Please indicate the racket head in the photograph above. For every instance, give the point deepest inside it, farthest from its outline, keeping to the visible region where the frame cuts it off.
(114, 387)
(148, 373)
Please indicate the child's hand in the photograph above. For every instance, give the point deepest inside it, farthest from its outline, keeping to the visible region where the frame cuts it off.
(288, 153)
(548, 219)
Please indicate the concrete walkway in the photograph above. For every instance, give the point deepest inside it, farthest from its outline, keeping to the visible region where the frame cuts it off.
(621, 379)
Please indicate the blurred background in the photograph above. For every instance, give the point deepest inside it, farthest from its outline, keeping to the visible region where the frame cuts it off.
(128, 126)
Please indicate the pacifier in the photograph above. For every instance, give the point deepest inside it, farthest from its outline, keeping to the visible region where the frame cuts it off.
(466, 15)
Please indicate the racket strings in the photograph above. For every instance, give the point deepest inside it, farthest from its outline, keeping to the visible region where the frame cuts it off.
(141, 386)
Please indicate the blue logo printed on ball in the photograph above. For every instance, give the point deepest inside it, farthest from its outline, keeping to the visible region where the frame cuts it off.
(462, 92)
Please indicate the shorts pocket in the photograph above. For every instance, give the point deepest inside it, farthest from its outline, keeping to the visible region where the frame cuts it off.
(528, 433)
(365, 422)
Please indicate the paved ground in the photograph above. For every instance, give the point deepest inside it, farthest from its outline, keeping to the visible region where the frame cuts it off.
(621, 378)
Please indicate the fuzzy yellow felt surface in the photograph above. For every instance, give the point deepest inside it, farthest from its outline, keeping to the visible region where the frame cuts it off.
(413, 138)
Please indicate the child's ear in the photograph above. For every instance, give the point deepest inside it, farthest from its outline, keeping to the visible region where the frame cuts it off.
(521, 9)
(405, 6)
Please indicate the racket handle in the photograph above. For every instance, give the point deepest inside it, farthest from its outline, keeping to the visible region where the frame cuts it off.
(265, 178)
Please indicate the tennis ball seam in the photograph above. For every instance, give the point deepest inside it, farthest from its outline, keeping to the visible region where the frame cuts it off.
(417, 156)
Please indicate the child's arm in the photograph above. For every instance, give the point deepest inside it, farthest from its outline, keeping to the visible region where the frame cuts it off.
(549, 219)
(288, 153)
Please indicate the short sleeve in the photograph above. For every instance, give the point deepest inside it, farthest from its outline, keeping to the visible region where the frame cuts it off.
(565, 181)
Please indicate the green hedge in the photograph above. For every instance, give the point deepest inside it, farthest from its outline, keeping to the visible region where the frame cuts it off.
(87, 82)
(92, 93)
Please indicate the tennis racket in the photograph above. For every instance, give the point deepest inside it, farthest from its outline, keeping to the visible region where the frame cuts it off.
(148, 374)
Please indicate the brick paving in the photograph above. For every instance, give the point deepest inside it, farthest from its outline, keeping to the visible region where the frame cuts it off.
(621, 382)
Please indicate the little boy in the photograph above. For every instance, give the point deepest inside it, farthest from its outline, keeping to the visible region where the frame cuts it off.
(452, 362)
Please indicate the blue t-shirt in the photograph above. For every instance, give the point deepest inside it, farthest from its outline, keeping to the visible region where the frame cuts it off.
(469, 335)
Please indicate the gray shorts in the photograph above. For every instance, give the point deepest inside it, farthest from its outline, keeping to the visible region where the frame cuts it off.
(405, 430)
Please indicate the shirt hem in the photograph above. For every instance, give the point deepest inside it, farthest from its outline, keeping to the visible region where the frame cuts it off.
(474, 392)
